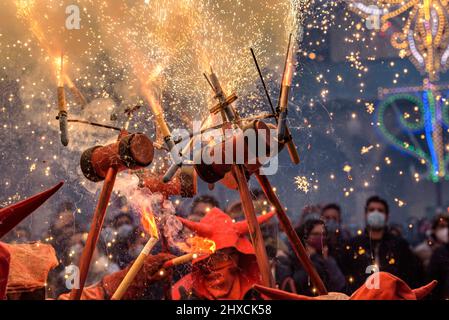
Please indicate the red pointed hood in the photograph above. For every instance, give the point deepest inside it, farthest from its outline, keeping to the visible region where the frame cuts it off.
(219, 227)
(390, 288)
(12, 215)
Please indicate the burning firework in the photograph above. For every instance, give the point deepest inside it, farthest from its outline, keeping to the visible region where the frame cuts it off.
(150, 226)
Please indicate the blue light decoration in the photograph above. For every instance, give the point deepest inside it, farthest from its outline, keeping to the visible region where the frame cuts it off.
(425, 132)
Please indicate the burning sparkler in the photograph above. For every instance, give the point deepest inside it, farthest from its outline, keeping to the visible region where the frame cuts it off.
(150, 226)
(195, 246)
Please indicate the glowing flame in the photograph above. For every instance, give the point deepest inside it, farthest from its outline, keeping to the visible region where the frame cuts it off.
(69, 81)
(59, 66)
(25, 10)
(198, 245)
(149, 223)
(288, 76)
(24, 7)
(155, 106)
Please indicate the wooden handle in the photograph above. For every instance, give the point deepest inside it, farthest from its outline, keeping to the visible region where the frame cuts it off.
(255, 233)
(294, 156)
(94, 233)
(134, 270)
(292, 236)
(61, 99)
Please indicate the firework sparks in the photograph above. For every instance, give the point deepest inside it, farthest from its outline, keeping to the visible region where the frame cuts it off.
(302, 183)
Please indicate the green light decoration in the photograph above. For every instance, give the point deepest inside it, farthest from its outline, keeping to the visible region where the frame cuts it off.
(433, 113)
(423, 38)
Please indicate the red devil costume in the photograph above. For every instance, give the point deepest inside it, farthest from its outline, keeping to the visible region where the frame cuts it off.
(9, 218)
(389, 287)
(231, 271)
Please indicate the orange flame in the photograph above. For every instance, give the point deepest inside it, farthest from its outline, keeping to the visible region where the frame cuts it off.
(288, 76)
(149, 223)
(155, 106)
(25, 10)
(59, 66)
(198, 245)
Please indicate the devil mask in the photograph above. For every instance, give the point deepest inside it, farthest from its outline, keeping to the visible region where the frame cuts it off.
(232, 270)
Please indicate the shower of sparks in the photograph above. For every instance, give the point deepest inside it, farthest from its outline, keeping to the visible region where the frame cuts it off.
(302, 184)
(369, 107)
(154, 56)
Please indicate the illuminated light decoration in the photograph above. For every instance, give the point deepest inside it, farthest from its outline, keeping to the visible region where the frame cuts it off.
(434, 116)
(429, 115)
(424, 39)
(424, 35)
(415, 53)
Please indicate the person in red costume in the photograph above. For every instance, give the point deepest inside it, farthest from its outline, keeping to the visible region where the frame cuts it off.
(378, 286)
(10, 217)
(141, 287)
(231, 271)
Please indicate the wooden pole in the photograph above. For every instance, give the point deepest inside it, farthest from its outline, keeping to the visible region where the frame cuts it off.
(253, 226)
(296, 243)
(134, 270)
(94, 232)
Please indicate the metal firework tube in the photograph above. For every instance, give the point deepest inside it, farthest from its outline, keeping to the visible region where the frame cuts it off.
(62, 116)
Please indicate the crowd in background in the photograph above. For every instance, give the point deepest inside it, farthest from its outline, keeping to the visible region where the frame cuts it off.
(344, 257)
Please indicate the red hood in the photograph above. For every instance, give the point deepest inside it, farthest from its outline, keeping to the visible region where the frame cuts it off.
(12, 215)
(390, 288)
(219, 227)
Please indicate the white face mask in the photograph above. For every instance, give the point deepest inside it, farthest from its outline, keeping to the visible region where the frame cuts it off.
(376, 219)
(442, 235)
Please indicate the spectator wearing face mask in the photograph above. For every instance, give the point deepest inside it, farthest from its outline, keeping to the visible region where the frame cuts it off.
(309, 212)
(379, 249)
(313, 235)
(201, 205)
(438, 268)
(437, 238)
(337, 236)
(121, 236)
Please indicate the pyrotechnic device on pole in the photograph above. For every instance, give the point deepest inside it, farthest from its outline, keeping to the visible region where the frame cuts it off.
(131, 151)
(183, 184)
(62, 105)
(167, 136)
(284, 134)
(79, 97)
(238, 171)
(286, 225)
